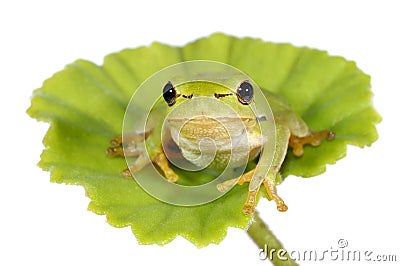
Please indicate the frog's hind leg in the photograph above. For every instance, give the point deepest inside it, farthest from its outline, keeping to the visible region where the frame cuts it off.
(270, 186)
(313, 138)
(269, 181)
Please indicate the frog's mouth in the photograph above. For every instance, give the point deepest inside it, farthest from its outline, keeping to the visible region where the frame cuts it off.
(216, 128)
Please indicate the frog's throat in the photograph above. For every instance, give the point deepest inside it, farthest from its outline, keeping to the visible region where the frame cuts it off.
(223, 128)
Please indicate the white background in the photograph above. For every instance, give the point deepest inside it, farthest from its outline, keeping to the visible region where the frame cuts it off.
(356, 199)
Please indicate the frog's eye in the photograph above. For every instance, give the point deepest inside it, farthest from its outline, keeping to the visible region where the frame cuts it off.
(169, 93)
(245, 92)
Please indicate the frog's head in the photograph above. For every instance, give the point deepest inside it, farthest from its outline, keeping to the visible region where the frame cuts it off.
(205, 109)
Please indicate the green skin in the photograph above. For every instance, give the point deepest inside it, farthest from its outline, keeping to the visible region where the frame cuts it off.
(186, 131)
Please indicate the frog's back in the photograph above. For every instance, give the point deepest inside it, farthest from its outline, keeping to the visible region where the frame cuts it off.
(284, 114)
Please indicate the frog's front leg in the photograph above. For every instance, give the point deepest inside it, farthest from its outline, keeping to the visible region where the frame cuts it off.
(133, 146)
(161, 160)
(128, 148)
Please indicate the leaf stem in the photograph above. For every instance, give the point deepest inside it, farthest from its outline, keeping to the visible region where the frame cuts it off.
(267, 241)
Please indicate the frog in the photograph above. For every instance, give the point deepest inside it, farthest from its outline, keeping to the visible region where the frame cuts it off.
(291, 132)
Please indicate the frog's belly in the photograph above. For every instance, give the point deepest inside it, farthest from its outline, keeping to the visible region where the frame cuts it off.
(205, 140)
(236, 159)
(236, 151)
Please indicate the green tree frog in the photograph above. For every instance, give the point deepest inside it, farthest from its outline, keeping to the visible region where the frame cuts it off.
(291, 131)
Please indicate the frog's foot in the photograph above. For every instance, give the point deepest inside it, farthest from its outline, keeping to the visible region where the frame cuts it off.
(116, 141)
(115, 148)
(118, 148)
(250, 205)
(161, 160)
(140, 162)
(115, 151)
(314, 139)
(127, 173)
(270, 186)
(129, 148)
(228, 184)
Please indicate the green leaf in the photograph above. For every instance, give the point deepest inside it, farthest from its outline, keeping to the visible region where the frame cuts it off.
(85, 105)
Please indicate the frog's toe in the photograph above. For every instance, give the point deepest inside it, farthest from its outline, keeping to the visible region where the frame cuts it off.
(127, 173)
(313, 138)
(280, 205)
(273, 195)
(250, 205)
(115, 148)
(128, 147)
(248, 209)
(171, 176)
(115, 151)
(116, 141)
(226, 185)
